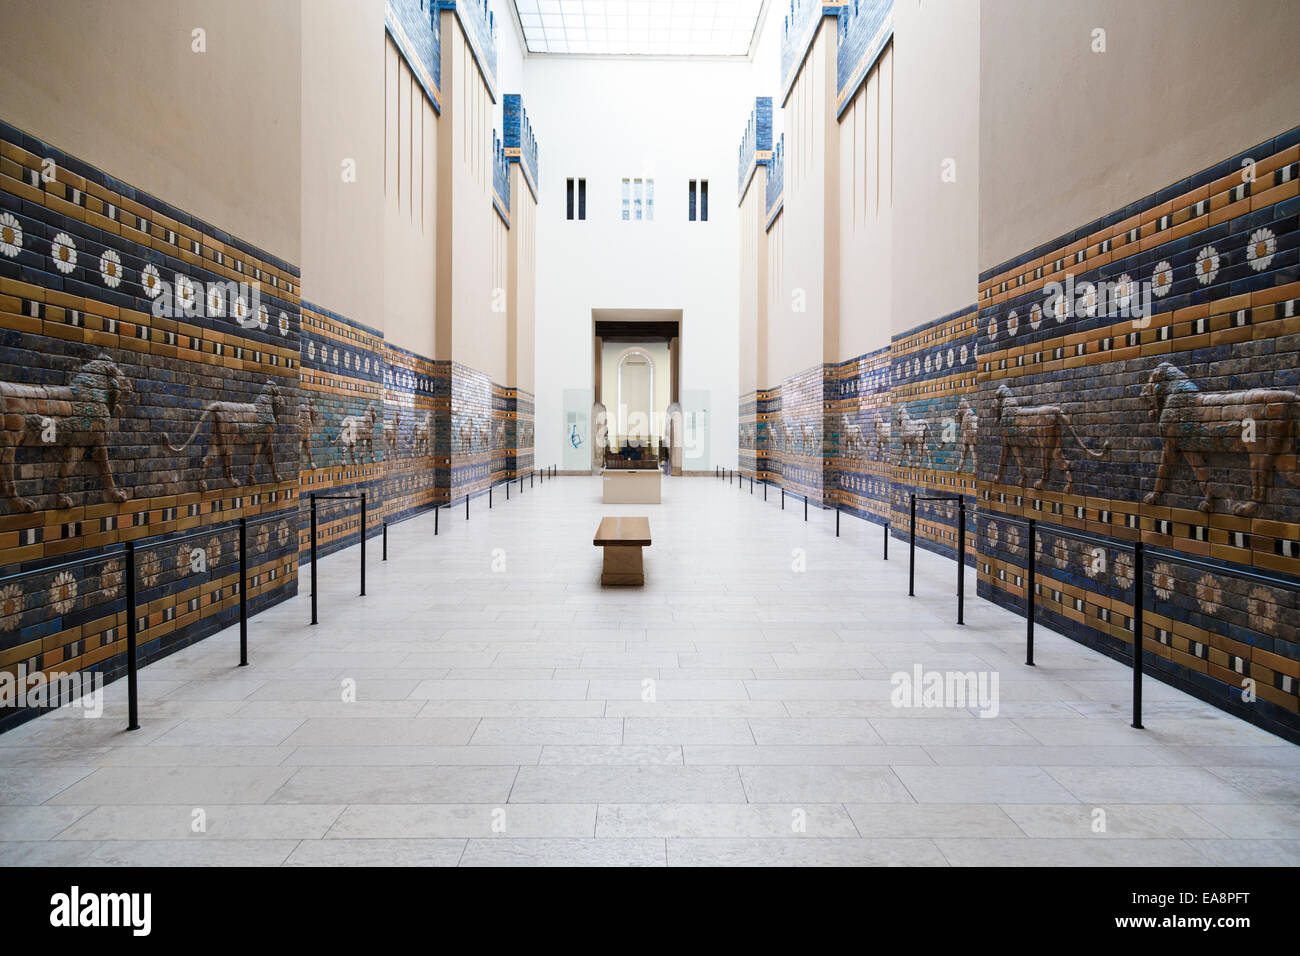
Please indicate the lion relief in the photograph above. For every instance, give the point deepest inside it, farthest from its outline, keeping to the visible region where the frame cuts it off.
(240, 423)
(1036, 428)
(75, 417)
(1259, 422)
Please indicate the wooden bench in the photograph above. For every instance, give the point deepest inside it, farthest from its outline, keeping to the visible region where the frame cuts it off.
(622, 539)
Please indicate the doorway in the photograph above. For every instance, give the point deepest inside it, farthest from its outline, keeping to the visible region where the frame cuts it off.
(636, 358)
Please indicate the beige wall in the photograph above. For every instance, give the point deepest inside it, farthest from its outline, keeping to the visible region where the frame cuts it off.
(769, 370)
(118, 85)
(1182, 85)
(866, 190)
(521, 284)
(753, 283)
(343, 119)
(800, 340)
(937, 105)
(469, 330)
(411, 208)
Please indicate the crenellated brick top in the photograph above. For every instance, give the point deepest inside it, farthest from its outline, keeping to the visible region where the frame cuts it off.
(500, 177)
(415, 27)
(865, 28)
(776, 180)
(799, 28)
(520, 143)
(756, 144)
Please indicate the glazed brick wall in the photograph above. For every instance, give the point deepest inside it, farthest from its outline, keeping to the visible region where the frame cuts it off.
(933, 372)
(747, 435)
(1218, 252)
(343, 448)
(859, 464)
(797, 435)
(413, 408)
(82, 259)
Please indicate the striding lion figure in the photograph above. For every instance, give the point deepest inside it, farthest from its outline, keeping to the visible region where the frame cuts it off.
(883, 427)
(308, 422)
(74, 417)
(968, 425)
(240, 423)
(357, 432)
(1036, 428)
(422, 435)
(913, 439)
(1259, 422)
(853, 440)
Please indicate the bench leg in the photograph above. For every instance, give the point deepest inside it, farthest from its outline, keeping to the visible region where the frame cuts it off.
(623, 567)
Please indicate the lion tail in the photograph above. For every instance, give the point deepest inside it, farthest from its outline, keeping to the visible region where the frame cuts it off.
(1105, 445)
(189, 441)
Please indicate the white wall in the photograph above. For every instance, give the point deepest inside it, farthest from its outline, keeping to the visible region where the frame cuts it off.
(673, 120)
(510, 55)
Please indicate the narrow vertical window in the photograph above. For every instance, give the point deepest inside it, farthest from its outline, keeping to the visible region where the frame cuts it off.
(627, 189)
(704, 200)
(638, 186)
(576, 198)
(690, 201)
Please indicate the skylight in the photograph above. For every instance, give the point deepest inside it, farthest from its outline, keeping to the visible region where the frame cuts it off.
(640, 27)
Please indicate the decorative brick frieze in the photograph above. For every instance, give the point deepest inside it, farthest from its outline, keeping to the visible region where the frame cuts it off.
(1138, 378)
(150, 380)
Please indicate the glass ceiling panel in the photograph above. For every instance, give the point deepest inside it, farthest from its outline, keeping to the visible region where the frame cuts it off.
(640, 27)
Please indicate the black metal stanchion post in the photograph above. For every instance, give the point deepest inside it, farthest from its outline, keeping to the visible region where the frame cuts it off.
(1138, 575)
(313, 557)
(911, 550)
(489, 497)
(132, 678)
(243, 592)
(436, 509)
(363, 544)
(783, 497)
(886, 539)
(805, 507)
(837, 521)
(961, 560)
(467, 506)
(507, 489)
(385, 557)
(530, 478)
(1031, 586)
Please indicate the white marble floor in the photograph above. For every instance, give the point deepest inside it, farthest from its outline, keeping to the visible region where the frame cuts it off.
(734, 711)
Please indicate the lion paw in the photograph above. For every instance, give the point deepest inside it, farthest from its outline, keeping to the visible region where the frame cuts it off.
(1151, 498)
(1205, 506)
(24, 504)
(1246, 509)
(65, 501)
(117, 494)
